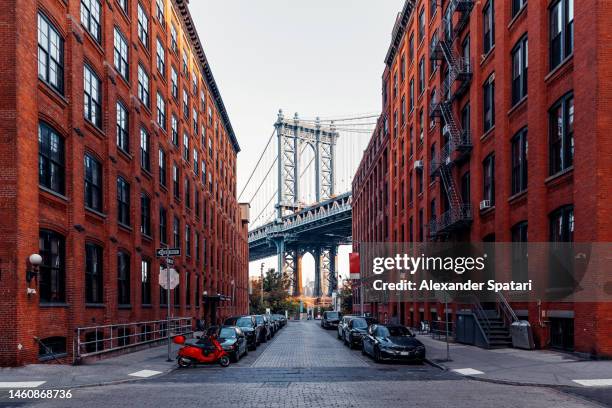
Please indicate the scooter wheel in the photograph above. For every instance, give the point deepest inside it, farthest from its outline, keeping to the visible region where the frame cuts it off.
(224, 361)
(184, 362)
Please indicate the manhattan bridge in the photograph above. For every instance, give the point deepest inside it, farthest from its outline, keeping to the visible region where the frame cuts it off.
(300, 194)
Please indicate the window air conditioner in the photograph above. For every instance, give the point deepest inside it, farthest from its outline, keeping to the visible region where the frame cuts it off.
(484, 204)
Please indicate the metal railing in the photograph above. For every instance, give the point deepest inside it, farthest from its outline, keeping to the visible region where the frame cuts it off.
(505, 310)
(442, 330)
(452, 217)
(96, 340)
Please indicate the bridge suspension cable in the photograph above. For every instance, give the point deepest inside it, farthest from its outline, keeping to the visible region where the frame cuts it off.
(257, 164)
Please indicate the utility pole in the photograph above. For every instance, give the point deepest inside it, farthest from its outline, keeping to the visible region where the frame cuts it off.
(263, 265)
(168, 307)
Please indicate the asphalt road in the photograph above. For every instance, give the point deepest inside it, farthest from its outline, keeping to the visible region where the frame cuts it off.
(306, 366)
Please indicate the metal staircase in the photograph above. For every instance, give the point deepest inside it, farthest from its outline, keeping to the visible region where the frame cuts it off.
(459, 143)
(495, 321)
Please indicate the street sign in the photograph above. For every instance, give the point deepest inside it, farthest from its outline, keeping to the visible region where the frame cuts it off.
(167, 252)
(168, 282)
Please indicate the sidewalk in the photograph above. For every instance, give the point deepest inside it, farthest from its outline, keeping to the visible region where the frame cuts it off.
(141, 364)
(516, 366)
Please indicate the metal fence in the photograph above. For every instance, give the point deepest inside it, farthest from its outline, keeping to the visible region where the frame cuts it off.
(442, 330)
(95, 340)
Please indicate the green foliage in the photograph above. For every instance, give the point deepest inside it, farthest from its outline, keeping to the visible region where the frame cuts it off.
(276, 295)
(346, 295)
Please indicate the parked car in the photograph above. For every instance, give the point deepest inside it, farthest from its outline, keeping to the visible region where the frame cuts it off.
(249, 327)
(342, 325)
(282, 320)
(330, 319)
(355, 329)
(233, 341)
(265, 333)
(392, 342)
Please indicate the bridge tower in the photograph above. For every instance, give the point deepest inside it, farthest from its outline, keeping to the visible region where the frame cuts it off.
(291, 135)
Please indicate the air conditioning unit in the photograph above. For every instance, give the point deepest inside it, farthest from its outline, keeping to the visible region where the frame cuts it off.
(418, 165)
(485, 204)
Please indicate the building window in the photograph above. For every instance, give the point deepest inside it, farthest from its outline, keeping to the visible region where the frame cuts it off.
(163, 225)
(162, 167)
(421, 221)
(160, 12)
(93, 183)
(93, 97)
(465, 189)
(123, 139)
(187, 240)
(175, 181)
(174, 82)
(50, 159)
(124, 5)
(143, 86)
(489, 103)
(174, 129)
(123, 278)
(177, 296)
(161, 111)
(91, 11)
(50, 55)
(519, 70)
(195, 121)
(421, 125)
(421, 27)
(187, 192)
(187, 289)
(186, 147)
(54, 347)
(561, 124)
(195, 162)
(488, 185)
(562, 224)
(123, 201)
(185, 104)
(173, 38)
(145, 214)
(145, 161)
(422, 75)
(519, 162)
(52, 271)
(93, 273)
(411, 96)
(488, 18)
(176, 233)
(411, 47)
(561, 31)
(121, 54)
(197, 291)
(161, 58)
(143, 26)
(517, 5)
(145, 282)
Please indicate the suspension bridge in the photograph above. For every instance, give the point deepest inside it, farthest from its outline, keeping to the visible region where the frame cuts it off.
(300, 194)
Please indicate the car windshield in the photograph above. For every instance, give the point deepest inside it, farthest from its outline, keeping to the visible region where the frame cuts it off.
(394, 331)
(244, 322)
(359, 323)
(332, 315)
(259, 319)
(227, 333)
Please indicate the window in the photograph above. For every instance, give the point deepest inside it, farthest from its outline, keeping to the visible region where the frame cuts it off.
(162, 167)
(145, 282)
(145, 214)
(187, 240)
(161, 111)
(91, 11)
(123, 139)
(195, 162)
(465, 189)
(519, 70)
(411, 96)
(185, 64)
(488, 185)
(173, 38)
(163, 225)
(187, 288)
(562, 224)
(50, 55)
(411, 47)
(197, 291)
(124, 5)
(160, 12)
(186, 147)
(121, 54)
(185, 103)
(519, 232)
(177, 296)
(421, 31)
(123, 201)
(50, 159)
(421, 125)
(489, 103)
(465, 121)
(93, 183)
(175, 181)
(403, 106)
(176, 233)
(123, 278)
(517, 5)
(143, 26)
(421, 220)
(519, 162)
(52, 271)
(421, 75)
(432, 8)
(520, 265)
(561, 31)
(488, 19)
(174, 82)
(195, 122)
(174, 129)
(145, 160)
(403, 68)
(561, 124)
(93, 97)
(93, 274)
(161, 58)
(143, 86)
(187, 192)
(54, 347)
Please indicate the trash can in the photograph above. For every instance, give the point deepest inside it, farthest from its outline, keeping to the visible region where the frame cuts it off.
(522, 335)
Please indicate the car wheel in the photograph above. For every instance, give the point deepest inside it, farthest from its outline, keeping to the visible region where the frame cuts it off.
(224, 361)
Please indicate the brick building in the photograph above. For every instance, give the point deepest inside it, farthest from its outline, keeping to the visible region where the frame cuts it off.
(448, 159)
(135, 151)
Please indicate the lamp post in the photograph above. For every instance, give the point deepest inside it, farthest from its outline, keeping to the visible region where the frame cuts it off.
(263, 265)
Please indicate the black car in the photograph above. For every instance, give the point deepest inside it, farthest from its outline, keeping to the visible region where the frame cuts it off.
(249, 327)
(330, 319)
(392, 342)
(343, 324)
(266, 332)
(355, 329)
(233, 341)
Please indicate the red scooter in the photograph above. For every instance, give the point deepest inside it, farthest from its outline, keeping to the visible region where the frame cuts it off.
(206, 349)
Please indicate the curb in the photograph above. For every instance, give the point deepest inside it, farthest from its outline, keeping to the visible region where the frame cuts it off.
(434, 364)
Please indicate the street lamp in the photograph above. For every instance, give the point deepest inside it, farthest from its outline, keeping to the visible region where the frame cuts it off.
(263, 265)
(35, 260)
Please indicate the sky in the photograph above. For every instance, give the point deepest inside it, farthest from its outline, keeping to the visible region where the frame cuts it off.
(317, 57)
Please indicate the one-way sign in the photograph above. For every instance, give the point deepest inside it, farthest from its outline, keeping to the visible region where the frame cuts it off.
(168, 252)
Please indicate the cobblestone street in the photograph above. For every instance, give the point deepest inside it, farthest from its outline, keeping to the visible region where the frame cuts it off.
(306, 366)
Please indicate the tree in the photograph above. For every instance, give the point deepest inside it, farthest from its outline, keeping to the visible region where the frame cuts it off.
(276, 294)
(346, 296)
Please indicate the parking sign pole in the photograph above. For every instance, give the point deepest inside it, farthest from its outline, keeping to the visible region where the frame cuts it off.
(168, 305)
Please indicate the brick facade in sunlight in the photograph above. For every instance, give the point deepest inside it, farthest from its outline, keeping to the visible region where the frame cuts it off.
(398, 196)
(131, 126)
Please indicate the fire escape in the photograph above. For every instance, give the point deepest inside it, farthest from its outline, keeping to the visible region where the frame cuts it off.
(458, 141)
